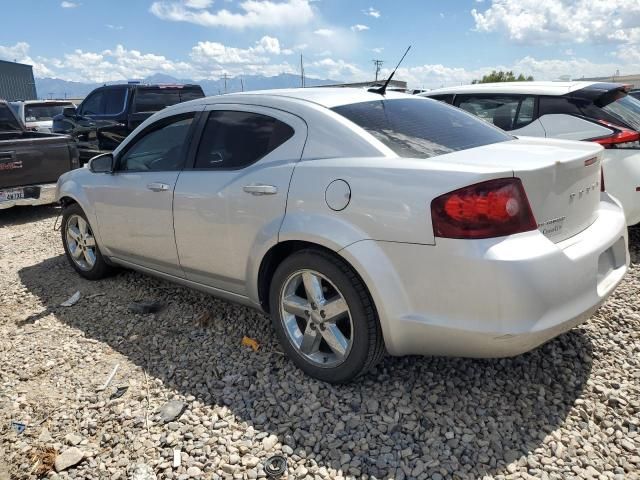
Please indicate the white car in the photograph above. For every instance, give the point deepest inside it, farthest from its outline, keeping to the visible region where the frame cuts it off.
(37, 115)
(360, 222)
(599, 112)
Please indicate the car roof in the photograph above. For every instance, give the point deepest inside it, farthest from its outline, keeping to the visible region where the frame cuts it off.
(531, 88)
(325, 96)
(29, 102)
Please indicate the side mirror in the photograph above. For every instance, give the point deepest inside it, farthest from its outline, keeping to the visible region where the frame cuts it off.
(101, 163)
(69, 111)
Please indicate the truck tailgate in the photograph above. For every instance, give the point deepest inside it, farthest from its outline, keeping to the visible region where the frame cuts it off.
(32, 158)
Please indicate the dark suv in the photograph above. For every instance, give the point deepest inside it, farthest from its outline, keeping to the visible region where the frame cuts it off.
(110, 113)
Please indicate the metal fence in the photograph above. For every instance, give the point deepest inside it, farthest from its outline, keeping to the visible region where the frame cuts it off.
(16, 81)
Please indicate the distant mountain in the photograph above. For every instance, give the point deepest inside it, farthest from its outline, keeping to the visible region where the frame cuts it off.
(56, 88)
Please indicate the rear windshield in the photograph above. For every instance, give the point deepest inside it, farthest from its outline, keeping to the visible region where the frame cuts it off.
(155, 99)
(421, 128)
(625, 108)
(42, 112)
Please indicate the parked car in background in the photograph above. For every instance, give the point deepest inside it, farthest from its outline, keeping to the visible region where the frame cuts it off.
(635, 93)
(360, 221)
(110, 113)
(31, 162)
(38, 115)
(599, 112)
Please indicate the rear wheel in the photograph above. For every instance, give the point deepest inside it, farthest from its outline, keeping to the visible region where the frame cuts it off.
(80, 244)
(324, 317)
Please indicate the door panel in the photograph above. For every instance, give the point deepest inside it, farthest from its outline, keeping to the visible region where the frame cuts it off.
(219, 215)
(134, 206)
(135, 220)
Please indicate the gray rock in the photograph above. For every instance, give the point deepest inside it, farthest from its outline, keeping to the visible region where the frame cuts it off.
(171, 411)
(142, 471)
(67, 459)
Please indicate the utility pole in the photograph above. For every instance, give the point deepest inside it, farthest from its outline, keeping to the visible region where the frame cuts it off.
(225, 82)
(241, 84)
(302, 80)
(378, 64)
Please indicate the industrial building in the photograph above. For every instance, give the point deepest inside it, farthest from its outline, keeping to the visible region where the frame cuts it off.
(633, 80)
(16, 81)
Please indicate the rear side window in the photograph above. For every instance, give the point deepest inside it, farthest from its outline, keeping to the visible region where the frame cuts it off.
(156, 98)
(233, 140)
(504, 111)
(421, 128)
(614, 112)
(627, 109)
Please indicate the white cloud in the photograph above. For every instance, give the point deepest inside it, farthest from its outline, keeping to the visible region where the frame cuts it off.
(372, 12)
(196, 4)
(114, 27)
(254, 13)
(551, 21)
(66, 4)
(324, 32)
(377, 50)
(359, 27)
(335, 69)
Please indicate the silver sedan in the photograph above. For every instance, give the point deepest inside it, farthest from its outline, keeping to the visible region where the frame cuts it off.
(362, 223)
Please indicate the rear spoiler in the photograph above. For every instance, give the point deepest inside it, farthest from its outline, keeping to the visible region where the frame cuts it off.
(601, 93)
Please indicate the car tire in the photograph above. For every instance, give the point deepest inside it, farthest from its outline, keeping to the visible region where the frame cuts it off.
(83, 253)
(350, 342)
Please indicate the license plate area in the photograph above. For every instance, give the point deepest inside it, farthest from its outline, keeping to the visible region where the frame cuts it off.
(11, 194)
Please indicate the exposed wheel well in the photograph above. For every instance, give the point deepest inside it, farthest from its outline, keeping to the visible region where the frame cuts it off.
(274, 258)
(66, 201)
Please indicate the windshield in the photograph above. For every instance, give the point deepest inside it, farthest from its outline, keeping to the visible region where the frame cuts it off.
(43, 112)
(421, 128)
(627, 109)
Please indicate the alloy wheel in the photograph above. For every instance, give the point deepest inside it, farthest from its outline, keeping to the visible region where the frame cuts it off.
(81, 242)
(316, 318)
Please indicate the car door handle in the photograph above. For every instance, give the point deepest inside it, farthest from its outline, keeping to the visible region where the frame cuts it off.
(261, 189)
(158, 187)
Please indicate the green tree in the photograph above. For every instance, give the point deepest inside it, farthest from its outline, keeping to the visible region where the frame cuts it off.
(501, 76)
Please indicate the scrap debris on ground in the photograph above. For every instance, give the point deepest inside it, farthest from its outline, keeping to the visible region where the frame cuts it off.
(193, 402)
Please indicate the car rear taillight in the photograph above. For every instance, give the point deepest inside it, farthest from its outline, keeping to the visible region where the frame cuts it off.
(620, 138)
(485, 210)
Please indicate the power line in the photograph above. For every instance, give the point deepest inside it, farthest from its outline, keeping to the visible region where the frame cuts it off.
(378, 64)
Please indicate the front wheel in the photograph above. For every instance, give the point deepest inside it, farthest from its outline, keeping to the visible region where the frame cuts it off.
(324, 317)
(80, 244)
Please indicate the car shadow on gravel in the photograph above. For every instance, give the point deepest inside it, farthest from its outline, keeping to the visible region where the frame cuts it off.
(15, 216)
(421, 415)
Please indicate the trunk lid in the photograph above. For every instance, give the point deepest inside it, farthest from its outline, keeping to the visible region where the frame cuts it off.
(560, 177)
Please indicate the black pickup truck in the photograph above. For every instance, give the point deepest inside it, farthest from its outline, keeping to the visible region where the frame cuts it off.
(31, 162)
(110, 113)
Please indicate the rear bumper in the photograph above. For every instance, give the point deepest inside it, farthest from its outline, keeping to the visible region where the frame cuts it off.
(47, 194)
(495, 297)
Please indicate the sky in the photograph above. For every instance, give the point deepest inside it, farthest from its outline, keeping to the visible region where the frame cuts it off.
(453, 41)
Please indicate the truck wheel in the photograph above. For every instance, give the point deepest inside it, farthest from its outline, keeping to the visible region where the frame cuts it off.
(324, 317)
(80, 244)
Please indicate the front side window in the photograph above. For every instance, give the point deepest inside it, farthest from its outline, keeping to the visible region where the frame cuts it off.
(421, 128)
(93, 105)
(162, 148)
(114, 101)
(233, 140)
(504, 111)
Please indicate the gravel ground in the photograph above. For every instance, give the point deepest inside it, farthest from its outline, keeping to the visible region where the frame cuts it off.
(570, 409)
